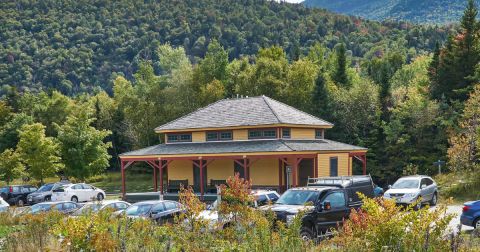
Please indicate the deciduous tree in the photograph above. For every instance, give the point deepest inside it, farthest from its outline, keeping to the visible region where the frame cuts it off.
(38, 153)
(11, 166)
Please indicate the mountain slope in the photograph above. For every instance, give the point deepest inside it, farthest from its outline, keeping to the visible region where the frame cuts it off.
(425, 11)
(78, 46)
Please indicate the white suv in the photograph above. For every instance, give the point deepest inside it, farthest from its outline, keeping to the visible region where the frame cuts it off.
(408, 189)
(77, 193)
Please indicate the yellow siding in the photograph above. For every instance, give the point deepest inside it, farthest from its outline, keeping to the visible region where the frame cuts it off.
(264, 172)
(220, 169)
(180, 170)
(350, 168)
(240, 134)
(324, 164)
(198, 136)
(302, 133)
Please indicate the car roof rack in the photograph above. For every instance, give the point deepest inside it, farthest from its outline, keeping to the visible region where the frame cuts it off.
(341, 181)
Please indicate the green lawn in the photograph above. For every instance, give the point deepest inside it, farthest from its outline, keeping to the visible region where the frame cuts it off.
(112, 182)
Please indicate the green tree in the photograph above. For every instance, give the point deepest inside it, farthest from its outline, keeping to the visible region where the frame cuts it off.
(459, 59)
(385, 92)
(321, 104)
(11, 166)
(340, 77)
(296, 52)
(38, 153)
(84, 154)
(9, 135)
(434, 64)
(12, 99)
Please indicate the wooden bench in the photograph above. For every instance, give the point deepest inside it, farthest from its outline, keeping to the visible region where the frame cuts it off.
(213, 185)
(175, 184)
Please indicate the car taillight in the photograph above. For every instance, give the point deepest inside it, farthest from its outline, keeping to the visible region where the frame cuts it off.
(11, 189)
(465, 208)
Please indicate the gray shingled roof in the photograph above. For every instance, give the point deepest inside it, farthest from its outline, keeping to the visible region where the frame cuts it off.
(243, 112)
(244, 146)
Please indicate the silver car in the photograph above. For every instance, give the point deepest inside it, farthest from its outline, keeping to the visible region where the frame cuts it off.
(408, 189)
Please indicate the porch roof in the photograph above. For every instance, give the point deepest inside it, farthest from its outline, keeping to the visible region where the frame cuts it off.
(244, 146)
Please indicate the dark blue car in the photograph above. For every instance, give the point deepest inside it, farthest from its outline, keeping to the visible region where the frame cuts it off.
(471, 214)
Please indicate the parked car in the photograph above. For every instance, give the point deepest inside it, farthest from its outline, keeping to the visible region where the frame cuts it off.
(17, 194)
(65, 207)
(161, 211)
(408, 189)
(77, 193)
(263, 196)
(331, 199)
(471, 214)
(116, 205)
(378, 191)
(44, 193)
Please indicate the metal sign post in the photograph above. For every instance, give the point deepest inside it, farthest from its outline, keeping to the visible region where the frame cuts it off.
(288, 169)
(219, 201)
(439, 163)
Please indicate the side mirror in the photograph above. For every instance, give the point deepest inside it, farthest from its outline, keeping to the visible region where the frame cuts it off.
(153, 213)
(424, 186)
(326, 205)
(389, 186)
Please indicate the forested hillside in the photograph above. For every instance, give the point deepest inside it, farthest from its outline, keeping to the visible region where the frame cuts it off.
(432, 12)
(82, 46)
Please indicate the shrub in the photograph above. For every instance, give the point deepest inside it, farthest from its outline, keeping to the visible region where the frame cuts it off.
(381, 226)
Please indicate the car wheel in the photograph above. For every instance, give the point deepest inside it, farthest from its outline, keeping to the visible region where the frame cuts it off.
(100, 197)
(306, 234)
(19, 202)
(48, 198)
(433, 202)
(476, 223)
(418, 205)
(74, 199)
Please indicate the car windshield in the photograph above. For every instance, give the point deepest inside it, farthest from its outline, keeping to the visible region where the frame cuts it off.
(296, 197)
(406, 183)
(46, 188)
(87, 209)
(138, 209)
(38, 208)
(212, 206)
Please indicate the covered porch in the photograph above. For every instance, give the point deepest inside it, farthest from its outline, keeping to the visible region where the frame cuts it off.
(266, 170)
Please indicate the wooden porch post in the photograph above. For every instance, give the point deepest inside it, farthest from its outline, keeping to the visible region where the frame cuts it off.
(201, 178)
(294, 171)
(161, 178)
(365, 164)
(123, 179)
(155, 177)
(280, 175)
(245, 170)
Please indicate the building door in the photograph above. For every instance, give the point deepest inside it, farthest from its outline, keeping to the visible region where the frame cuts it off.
(305, 169)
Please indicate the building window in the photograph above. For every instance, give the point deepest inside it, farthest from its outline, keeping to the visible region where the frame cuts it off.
(269, 133)
(212, 136)
(172, 138)
(286, 133)
(255, 134)
(333, 167)
(318, 133)
(226, 135)
(185, 137)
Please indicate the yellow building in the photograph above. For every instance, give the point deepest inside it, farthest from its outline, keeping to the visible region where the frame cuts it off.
(258, 137)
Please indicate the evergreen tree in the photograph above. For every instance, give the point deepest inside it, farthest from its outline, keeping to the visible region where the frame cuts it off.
(296, 52)
(12, 98)
(320, 99)
(433, 68)
(340, 76)
(385, 92)
(459, 59)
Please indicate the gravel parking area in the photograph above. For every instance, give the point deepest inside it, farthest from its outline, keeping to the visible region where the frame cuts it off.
(456, 220)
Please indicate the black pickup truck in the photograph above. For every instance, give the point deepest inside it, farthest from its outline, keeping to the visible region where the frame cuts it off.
(332, 199)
